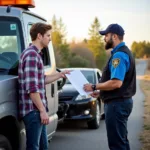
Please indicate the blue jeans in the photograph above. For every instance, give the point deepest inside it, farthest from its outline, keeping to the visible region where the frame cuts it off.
(36, 132)
(116, 117)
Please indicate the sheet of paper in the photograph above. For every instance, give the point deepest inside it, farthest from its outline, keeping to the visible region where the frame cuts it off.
(78, 80)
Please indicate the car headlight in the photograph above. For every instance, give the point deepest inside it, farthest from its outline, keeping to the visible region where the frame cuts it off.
(81, 97)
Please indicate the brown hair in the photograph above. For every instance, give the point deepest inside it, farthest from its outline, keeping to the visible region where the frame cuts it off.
(41, 28)
(120, 38)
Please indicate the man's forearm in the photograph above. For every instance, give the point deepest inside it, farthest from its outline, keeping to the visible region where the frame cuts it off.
(109, 85)
(35, 97)
(52, 78)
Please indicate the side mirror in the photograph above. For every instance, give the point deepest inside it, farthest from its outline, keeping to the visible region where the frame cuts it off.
(61, 82)
(99, 80)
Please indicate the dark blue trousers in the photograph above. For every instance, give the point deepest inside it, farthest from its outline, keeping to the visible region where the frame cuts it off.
(35, 132)
(116, 117)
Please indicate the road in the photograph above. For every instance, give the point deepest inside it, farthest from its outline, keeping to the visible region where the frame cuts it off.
(72, 136)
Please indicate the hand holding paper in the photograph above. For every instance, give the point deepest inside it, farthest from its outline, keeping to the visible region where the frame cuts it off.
(78, 80)
(88, 87)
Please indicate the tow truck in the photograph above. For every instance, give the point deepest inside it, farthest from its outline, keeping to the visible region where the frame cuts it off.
(15, 22)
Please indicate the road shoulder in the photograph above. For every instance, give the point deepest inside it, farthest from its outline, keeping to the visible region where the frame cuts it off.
(145, 85)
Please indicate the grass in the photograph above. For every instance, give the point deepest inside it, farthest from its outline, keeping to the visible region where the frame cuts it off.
(145, 85)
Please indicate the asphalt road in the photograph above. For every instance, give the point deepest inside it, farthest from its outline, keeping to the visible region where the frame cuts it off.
(75, 136)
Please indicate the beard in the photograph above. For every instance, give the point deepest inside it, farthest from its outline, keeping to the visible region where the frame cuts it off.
(109, 44)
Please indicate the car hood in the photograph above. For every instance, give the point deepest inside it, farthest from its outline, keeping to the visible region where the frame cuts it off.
(68, 89)
(6, 78)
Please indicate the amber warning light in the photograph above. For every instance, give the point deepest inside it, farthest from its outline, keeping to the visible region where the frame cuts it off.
(27, 3)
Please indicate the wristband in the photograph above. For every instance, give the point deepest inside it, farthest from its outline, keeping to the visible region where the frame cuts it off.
(93, 87)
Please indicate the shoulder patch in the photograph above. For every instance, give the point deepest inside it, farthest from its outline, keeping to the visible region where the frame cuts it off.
(115, 62)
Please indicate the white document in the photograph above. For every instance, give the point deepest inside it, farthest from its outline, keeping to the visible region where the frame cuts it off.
(78, 80)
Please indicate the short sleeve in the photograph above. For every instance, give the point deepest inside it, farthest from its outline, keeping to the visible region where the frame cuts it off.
(119, 65)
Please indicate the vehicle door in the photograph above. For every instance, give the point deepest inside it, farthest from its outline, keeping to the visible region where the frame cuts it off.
(99, 75)
(49, 68)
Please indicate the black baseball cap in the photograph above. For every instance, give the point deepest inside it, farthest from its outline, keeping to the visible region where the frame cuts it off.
(113, 28)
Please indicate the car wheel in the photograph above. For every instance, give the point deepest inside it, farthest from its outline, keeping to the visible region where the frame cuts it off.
(4, 143)
(95, 123)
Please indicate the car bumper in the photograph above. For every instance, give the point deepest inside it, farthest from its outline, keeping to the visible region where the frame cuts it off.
(81, 110)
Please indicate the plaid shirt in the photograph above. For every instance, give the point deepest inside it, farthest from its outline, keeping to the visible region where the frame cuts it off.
(31, 80)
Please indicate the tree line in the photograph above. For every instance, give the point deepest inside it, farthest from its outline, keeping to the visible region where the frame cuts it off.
(141, 49)
(87, 53)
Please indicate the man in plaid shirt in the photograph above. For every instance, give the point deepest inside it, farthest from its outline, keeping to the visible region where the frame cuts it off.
(32, 101)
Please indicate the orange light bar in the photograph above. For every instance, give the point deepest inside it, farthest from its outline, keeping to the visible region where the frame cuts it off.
(29, 3)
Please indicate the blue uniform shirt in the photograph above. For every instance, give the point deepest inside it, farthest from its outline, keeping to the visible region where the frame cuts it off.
(119, 63)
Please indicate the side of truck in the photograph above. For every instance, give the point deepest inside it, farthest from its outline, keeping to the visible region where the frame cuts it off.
(15, 24)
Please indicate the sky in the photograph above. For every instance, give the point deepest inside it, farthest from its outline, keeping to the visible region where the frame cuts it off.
(78, 15)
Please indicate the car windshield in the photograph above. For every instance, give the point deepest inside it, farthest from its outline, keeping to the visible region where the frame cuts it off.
(89, 75)
(10, 45)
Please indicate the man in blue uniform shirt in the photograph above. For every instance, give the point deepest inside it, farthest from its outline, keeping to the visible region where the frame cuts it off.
(117, 86)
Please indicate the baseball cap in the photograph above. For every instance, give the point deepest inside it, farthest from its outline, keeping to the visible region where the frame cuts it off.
(113, 28)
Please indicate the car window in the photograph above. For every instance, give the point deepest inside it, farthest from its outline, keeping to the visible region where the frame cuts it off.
(29, 37)
(45, 57)
(99, 77)
(10, 43)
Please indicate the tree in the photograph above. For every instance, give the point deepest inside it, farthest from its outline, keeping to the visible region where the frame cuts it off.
(147, 49)
(62, 51)
(141, 49)
(78, 61)
(62, 30)
(96, 45)
(134, 48)
(56, 34)
(82, 50)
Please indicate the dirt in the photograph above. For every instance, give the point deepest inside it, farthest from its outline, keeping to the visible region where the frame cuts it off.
(145, 85)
